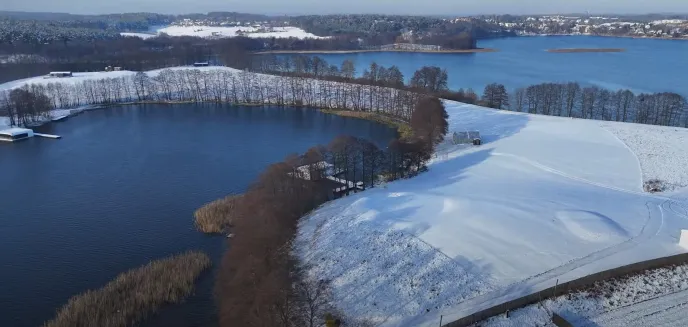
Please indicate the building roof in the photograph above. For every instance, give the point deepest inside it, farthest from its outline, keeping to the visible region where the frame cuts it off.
(15, 131)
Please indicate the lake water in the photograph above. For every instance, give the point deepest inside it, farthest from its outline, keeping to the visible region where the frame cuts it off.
(647, 65)
(120, 188)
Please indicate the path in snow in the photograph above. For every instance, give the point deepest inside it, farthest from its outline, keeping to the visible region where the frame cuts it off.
(668, 310)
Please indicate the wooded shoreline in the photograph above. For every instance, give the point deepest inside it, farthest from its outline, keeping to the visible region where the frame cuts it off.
(481, 50)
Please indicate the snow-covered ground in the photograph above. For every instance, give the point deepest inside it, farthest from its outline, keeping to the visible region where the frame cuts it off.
(544, 198)
(220, 31)
(656, 298)
(77, 78)
(660, 150)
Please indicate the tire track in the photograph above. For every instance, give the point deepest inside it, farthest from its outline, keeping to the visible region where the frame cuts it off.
(650, 229)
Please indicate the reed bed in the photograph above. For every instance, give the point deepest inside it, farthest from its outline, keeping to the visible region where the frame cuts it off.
(217, 216)
(135, 294)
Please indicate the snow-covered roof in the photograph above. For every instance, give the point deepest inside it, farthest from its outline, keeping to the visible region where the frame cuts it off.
(15, 131)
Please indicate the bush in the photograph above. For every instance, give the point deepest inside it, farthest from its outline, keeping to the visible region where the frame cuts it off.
(654, 186)
(134, 294)
(215, 217)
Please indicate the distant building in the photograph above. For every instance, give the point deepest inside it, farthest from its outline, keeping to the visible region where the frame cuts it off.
(201, 64)
(60, 74)
(469, 137)
(15, 134)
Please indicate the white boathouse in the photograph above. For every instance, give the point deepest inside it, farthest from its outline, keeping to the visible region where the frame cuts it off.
(15, 134)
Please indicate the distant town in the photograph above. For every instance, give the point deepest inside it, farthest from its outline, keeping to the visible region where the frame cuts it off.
(591, 25)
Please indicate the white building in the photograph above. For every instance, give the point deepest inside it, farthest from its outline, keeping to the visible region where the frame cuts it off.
(15, 134)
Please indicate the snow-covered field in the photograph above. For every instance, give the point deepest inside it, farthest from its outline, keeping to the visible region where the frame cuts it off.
(660, 150)
(224, 31)
(544, 198)
(656, 298)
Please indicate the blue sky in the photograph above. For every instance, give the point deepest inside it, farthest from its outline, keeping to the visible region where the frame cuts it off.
(420, 7)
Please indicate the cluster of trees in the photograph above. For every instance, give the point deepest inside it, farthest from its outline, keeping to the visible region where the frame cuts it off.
(385, 29)
(260, 281)
(225, 86)
(429, 80)
(591, 102)
(41, 28)
(24, 107)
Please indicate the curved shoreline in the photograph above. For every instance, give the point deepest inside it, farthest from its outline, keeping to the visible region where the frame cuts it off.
(482, 50)
(402, 127)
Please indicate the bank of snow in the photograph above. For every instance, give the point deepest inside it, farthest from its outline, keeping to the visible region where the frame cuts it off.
(544, 198)
(655, 298)
(232, 31)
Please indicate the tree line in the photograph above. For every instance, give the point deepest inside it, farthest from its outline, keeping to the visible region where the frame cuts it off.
(215, 85)
(591, 102)
(261, 282)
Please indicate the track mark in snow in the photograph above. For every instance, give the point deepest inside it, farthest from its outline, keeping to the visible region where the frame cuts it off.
(637, 160)
(650, 230)
(676, 208)
(582, 180)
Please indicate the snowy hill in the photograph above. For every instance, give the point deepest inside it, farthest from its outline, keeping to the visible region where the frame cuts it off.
(544, 198)
(229, 31)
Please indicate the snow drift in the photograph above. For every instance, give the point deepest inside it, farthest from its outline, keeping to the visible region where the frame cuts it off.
(544, 198)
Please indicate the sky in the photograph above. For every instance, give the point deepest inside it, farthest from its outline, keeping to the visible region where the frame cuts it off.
(414, 7)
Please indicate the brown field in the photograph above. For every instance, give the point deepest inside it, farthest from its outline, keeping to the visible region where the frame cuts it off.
(216, 217)
(361, 51)
(576, 50)
(134, 294)
(403, 128)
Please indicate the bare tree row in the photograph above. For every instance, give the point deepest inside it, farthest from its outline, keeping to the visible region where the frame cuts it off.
(261, 282)
(591, 102)
(224, 86)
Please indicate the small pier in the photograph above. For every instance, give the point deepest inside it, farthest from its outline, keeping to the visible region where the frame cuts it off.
(335, 179)
(50, 136)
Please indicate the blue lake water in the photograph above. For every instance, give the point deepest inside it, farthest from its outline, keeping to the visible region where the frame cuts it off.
(120, 188)
(647, 65)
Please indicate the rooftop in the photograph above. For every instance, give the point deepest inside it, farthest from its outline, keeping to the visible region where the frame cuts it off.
(15, 131)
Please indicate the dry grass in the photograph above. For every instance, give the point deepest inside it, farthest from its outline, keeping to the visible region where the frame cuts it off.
(135, 294)
(215, 217)
(403, 128)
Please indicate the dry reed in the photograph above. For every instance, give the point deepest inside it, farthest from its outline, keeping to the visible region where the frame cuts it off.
(134, 294)
(215, 217)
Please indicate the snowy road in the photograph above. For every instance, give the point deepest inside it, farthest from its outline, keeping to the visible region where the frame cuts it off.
(666, 311)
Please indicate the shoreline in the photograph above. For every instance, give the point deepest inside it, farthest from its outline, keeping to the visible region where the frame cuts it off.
(612, 36)
(481, 50)
(402, 127)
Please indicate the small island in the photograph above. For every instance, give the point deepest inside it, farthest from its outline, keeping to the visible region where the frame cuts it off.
(577, 50)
